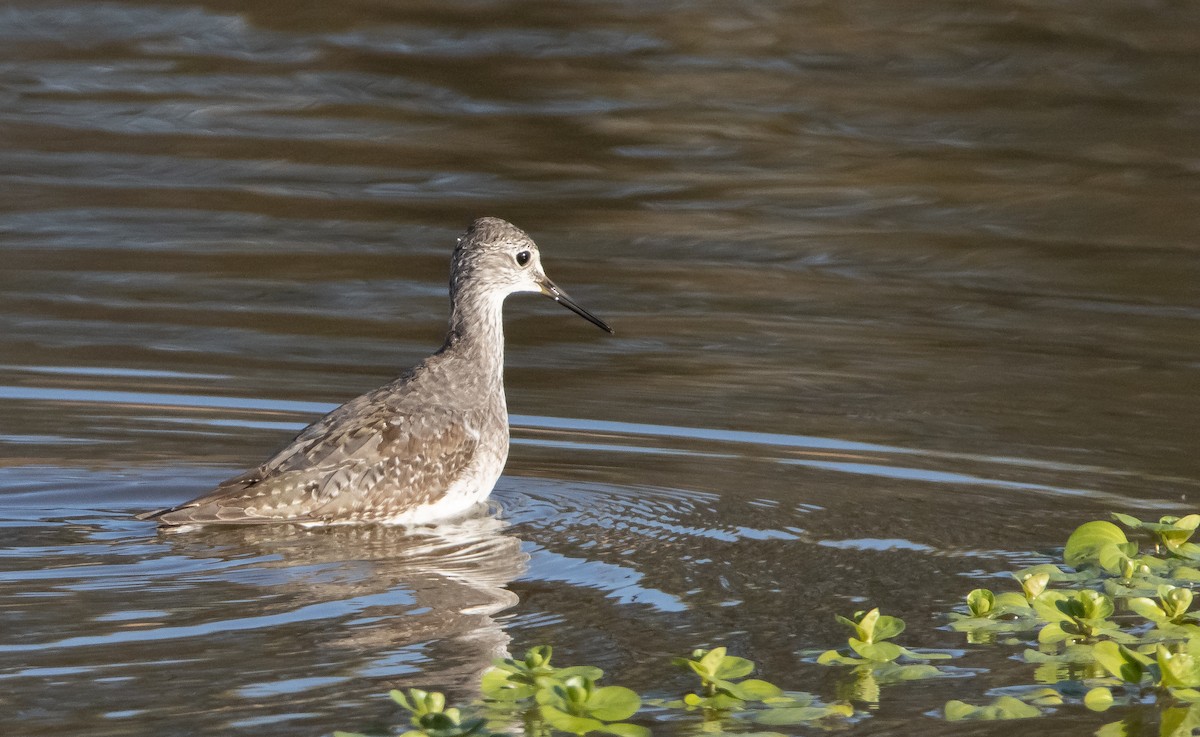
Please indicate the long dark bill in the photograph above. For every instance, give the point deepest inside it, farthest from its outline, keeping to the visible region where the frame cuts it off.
(553, 292)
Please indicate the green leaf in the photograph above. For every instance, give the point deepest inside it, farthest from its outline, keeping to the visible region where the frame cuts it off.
(731, 667)
(852, 625)
(886, 628)
(833, 657)
(1129, 521)
(1033, 583)
(1145, 607)
(754, 689)
(1179, 721)
(1095, 605)
(1098, 699)
(625, 729)
(1089, 540)
(880, 652)
(539, 656)
(1042, 697)
(613, 703)
(711, 661)
(1047, 606)
(399, 697)
(497, 685)
(1120, 661)
(1186, 695)
(1053, 633)
(1122, 728)
(1004, 707)
(896, 673)
(981, 602)
(569, 722)
(1175, 601)
(1178, 670)
(801, 714)
(590, 672)
(924, 656)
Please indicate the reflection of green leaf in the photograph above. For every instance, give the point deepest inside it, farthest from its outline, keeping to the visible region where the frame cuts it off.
(894, 672)
(801, 714)
(1122, 728)
(624, 729)
(1098, 699)
(1043, 697)
(1004, 707)
(833, 657)
(1179, 721)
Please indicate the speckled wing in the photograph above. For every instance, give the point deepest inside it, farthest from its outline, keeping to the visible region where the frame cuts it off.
(363, 461)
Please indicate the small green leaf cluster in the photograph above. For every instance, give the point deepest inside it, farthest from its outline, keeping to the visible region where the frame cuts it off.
(565, 699)
(1114, 623)
(876, 661)
(1086, 630)
(430, 717)
(869, 641)
(989, 615)
(725, 691)
(532, 697)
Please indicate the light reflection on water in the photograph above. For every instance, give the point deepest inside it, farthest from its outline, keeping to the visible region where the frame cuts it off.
(902, 291)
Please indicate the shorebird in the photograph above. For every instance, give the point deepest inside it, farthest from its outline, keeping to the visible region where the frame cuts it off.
(427, 446)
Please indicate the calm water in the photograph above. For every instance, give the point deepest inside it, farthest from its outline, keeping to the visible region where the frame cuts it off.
(902, 291)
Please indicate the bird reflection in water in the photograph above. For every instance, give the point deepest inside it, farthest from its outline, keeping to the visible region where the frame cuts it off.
(409, 599)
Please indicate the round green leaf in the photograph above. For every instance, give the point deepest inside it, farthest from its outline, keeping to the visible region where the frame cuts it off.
(589, 672)
(981, 602)
(731, 667)
(569, 722)
(880, 652)
(1120, 661)
(886, 628)
(613, 703)
(625, 729)
(1145, 607)
(496, 684)
(1089, 539)
(793, 715)
(754, 689)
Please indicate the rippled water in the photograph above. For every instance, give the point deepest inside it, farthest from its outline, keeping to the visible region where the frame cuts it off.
(902, 292)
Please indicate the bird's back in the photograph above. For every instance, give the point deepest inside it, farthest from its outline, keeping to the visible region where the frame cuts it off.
(409, 450)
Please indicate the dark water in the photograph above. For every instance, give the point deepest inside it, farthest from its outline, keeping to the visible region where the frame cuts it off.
(902, 291)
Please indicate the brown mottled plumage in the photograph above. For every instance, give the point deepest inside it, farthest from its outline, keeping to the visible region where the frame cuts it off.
(430, 444)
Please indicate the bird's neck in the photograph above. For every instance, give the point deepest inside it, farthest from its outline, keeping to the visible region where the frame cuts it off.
(476, 333)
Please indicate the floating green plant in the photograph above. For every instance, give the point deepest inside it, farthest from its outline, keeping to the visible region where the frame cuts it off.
(1115, 629)
(725, 692)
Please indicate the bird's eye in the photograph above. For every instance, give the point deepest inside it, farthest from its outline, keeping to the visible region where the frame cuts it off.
(522, 258)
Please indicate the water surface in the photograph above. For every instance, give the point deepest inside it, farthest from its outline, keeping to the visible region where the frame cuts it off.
(902, 292)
